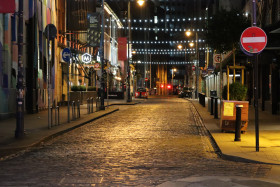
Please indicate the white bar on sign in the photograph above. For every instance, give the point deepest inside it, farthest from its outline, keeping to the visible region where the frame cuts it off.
(253, 39)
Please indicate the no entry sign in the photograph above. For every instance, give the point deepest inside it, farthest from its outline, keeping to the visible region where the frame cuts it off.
(193, 68)
(253, 40)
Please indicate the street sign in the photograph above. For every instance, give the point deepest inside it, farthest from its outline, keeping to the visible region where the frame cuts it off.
(217, 58)
(146, 79)
(193, 68)
(66, 53)
(96, 66)
(253, 40)
(50, 31)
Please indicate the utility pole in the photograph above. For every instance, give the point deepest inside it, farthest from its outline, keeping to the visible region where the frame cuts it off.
(197, 65)
(19, 132)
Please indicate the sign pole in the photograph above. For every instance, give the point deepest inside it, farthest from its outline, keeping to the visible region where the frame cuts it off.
(128, 50)
(256, 85)
(19, 132)
(102, 87)
(66, 56)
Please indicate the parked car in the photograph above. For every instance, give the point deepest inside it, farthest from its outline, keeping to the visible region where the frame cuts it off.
(141, 93)
(186, 92)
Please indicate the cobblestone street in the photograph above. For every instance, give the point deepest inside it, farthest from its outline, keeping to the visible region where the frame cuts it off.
(145, 144)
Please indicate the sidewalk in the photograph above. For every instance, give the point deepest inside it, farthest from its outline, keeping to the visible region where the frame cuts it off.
(245, 150)
(37, 130)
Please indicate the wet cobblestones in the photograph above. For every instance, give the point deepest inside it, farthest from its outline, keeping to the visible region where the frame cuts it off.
(145, 145)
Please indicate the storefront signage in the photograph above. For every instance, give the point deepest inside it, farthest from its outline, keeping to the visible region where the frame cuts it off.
(86, 58)
(7, 6)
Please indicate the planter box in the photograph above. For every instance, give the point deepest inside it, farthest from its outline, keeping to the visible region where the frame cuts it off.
(228, 115)
(76, 96)
(82, 96)
(88, 94)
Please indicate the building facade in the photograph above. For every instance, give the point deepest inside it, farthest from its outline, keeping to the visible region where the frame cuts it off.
(70, 20)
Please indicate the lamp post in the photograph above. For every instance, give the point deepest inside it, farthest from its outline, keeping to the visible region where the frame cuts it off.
(173, 70)
(102, 86)
(197, 57)
(128, 53)
(185, 53)
(19, 132)
(141, 3)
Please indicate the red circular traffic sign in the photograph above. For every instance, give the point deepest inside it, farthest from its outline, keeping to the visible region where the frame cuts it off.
(253, 40)
(193, 68)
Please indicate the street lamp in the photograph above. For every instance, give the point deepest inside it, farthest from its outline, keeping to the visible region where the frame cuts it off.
(141, 3)
(188, 33)
(173, 70)
(196, 56)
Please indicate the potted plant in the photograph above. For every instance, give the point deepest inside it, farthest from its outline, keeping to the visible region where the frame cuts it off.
(237, 96)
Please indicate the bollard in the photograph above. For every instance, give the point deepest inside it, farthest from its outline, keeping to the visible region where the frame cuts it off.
(212, 107)
(55, 114)
(238, 123)
(58, 115)
(203, 100)
(78, 109)
(88, 105)
(216, 108)
(91, 99)
(51, 116)
(97, 104)
(73, 110)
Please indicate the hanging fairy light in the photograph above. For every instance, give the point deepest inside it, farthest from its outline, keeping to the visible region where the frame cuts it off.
(164, 63)
(163, 20)
(155, 29)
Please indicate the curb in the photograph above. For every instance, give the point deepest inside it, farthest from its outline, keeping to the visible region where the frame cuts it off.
(14, 151)
(114, 104)
(226, 156)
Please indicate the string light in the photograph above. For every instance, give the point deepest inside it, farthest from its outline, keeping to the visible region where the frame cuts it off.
(155, 29)
(161, 20)
(166, 53)
(167, 42)
(166, 63)
(168, 50)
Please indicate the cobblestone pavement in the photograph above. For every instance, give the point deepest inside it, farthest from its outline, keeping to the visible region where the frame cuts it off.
(145, 144)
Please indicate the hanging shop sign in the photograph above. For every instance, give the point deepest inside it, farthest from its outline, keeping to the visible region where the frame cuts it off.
(7, 6)
(122, 48)
(93, 31)
(86, 58)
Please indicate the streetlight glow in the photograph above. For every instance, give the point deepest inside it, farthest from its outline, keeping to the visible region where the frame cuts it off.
(180, 46)
(141, 2)
(188, 33)
(191, 44)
